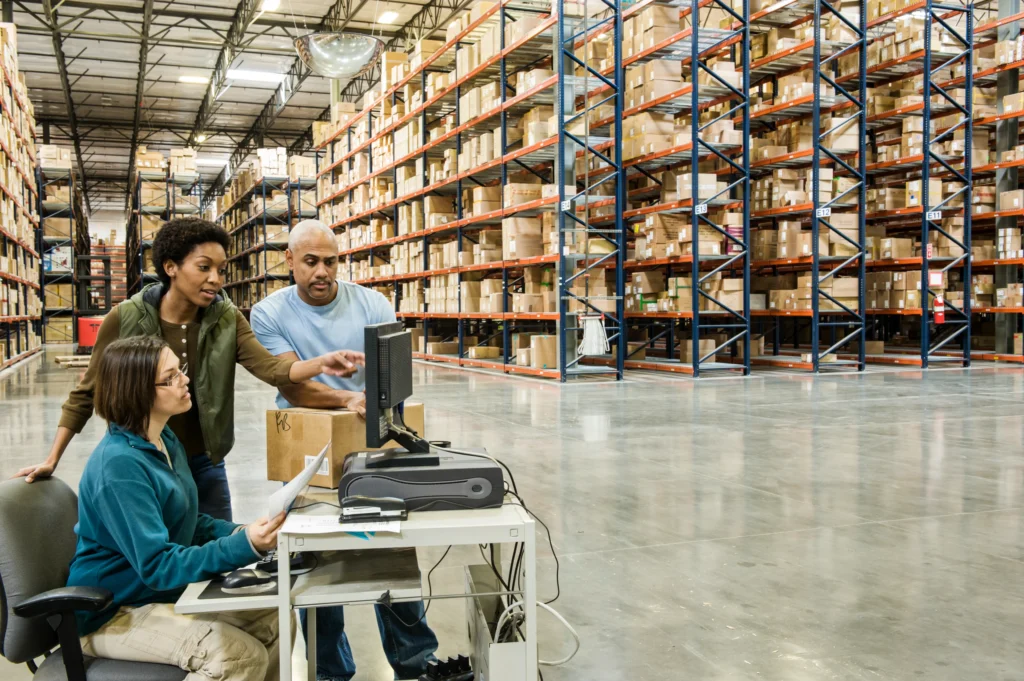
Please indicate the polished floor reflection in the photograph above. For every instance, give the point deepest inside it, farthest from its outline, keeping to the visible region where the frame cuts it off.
(780, 527)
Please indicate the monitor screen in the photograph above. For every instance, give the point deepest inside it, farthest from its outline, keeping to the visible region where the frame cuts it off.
(388, 377)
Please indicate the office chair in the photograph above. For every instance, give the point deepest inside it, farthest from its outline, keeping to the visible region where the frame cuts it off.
(37, 610)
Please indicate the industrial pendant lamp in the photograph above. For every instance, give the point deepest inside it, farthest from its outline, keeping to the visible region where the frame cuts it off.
(339, 55)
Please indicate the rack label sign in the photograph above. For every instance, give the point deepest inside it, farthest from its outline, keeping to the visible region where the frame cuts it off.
(702, 209)
(566, 205)
(934, 215)
(824, 212)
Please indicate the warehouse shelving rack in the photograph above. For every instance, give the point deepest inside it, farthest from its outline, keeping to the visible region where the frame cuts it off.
(735, 323)
(168, 207)
(17, 324)
(572, 222)
(557, 152)
(21, 320)
(60, 248)
(250, 237)
(659, 330)
(934, 337)
(1005, 173)
(842, 324)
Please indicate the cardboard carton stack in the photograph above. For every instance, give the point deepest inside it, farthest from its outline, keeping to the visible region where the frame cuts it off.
(650, 27)
(301, 168)
(443, 293)
(183, 162)
(149, 160)
(271, 162)
(52, 156)
(482, 295)
(153, 194)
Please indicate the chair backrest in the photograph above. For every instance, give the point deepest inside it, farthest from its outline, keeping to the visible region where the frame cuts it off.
(37, 543)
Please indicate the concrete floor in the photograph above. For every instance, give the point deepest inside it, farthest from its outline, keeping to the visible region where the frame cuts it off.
(780, 527)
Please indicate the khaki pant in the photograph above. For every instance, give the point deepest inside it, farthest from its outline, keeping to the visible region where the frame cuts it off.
(231, 646)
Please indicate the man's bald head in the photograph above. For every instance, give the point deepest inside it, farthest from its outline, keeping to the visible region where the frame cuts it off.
(312, 231)
(313, 257)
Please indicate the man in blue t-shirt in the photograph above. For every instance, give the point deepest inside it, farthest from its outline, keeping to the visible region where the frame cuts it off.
(321, 312)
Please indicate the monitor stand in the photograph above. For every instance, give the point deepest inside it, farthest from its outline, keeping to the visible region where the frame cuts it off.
(415, 451)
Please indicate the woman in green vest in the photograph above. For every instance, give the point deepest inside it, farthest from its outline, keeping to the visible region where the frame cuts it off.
(210, 336)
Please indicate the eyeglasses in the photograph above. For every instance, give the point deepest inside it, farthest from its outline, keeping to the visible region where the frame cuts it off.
(177, 379)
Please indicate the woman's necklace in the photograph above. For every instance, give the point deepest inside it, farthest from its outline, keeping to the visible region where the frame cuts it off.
(159, 444)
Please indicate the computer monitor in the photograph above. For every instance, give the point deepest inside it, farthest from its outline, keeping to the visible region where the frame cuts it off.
(388, 350)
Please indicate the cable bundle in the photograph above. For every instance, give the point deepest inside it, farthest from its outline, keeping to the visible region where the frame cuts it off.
(595, 338)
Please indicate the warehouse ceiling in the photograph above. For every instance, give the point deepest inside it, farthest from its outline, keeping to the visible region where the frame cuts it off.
(81, 60)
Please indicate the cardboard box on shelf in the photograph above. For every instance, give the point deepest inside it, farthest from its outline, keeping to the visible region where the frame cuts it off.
(705, 346)
(896, 248)
(59, 296)
(707, 185)
(295, 436)
(544, 352)
(60, 330)
(915, 189)
(1014, 102)
(484, 352)
(58, 227)
(518, 193)
(1011, 200)
(149, 225)
(521, 238)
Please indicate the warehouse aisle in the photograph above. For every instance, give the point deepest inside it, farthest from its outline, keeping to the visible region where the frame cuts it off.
(778, 527)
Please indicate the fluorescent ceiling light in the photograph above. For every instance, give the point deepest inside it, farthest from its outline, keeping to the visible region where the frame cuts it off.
(270, 5)
(255, 76)
(198, 80)
(200, 161)
(388, 17)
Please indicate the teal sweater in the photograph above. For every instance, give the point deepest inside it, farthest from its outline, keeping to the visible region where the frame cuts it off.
(140, 533)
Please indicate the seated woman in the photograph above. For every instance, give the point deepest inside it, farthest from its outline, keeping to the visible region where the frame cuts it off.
(140, 534)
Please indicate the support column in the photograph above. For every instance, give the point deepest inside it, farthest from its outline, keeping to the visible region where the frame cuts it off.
(1007, 134)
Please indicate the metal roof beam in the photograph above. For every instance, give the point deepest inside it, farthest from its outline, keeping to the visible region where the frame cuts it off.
(432, 16)
(169, 11)
(50, 15)
(337, 18)
(118, 124)
(140, 85)
(244, 15)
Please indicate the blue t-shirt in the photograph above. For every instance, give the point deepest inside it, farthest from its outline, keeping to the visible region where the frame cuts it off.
(283, 323)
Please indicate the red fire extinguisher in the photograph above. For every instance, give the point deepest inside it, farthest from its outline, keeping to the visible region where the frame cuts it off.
(940, 310)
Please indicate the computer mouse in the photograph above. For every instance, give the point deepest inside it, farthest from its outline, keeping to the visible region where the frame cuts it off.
(246, 577)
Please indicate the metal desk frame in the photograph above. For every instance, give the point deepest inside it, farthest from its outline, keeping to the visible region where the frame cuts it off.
(508, 524)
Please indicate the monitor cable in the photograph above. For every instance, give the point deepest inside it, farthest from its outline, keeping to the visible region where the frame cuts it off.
(515, 571)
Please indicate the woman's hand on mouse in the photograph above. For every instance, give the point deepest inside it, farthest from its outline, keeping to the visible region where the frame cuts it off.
(263, 532)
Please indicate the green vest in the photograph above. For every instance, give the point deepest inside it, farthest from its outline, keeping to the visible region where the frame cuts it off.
(214, 376)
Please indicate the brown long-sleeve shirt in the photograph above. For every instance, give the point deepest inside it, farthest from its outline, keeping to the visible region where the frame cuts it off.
(184, 341)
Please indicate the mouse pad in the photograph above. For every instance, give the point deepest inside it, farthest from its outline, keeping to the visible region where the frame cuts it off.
(213, 591)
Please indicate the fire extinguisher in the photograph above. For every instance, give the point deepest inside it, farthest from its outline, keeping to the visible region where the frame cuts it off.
(940, 310)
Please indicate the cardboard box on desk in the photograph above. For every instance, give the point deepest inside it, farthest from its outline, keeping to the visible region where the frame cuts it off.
(295, 436)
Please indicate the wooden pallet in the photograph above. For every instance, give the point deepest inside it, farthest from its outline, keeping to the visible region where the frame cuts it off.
(72, 361)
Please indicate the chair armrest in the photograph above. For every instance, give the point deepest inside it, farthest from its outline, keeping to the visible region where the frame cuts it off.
(65, 599)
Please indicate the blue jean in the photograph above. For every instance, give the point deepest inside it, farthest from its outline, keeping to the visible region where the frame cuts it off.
(212, 481)
(408, 649)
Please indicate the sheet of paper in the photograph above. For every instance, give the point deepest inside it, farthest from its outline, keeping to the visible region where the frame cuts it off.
(282, 499)
(300, 523)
